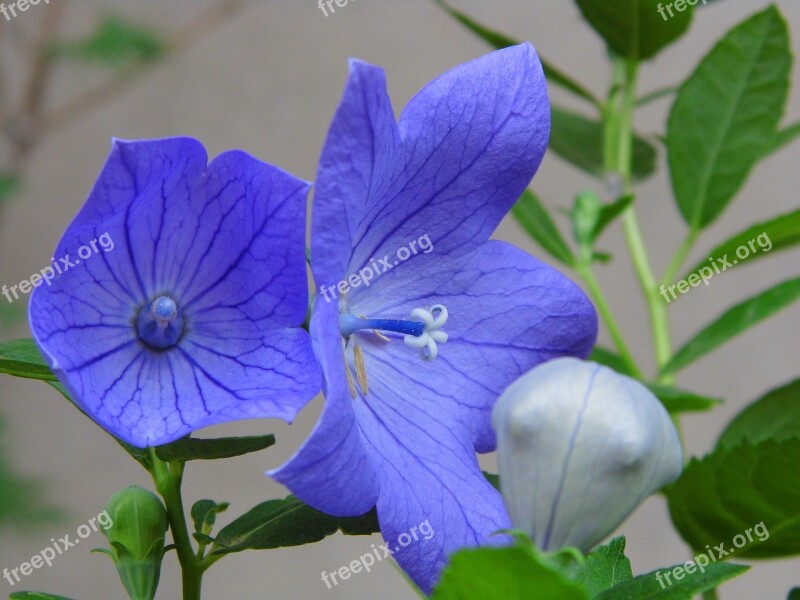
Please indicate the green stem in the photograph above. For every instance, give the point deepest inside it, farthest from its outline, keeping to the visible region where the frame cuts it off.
(607, 316)
(168, 478)
(618, 149)
(680, 256)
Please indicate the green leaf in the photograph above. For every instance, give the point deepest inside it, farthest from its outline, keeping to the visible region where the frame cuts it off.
(204, 515)
(656, 95)
(535, 220)
(735, 321)
(609, 212)
(774, 416)
(505, 573)
(9, 185)
(725, 115)
(287, 522)
(579, 141)
(21, 358)
(647, 586)
(114, 42)
(35, 596)
(776, 234)
(499, 41)
(605, 567)
(494, 479)
(782, 138)
(610, 359)
(794, 594)
(746, 497)
(678, 401)
(189, 448)
(636, 29)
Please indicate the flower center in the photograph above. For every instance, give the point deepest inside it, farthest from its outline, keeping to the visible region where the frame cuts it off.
(160, 325)
(424, 333)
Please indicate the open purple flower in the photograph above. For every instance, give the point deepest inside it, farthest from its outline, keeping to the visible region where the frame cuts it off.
(191, 315)
(421, 321)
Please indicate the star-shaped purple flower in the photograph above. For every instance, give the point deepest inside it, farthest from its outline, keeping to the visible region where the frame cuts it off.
(191, 315)
(422, 321)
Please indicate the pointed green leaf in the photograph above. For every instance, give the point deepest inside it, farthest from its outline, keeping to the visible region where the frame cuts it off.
(783, 138)
(579, 141)
(506, 573)
(287, 522)
(114, 42)
(605, 567)
(735, 321)
(746, 497)
(499, 41)
(725, 115)
(774, 416)
(610, 359)
(609, 212)
(189, 448)
(655, 95)
(21, 358)
(676, 400)
(204, 515)
(636, 29)
(9, 185)
(535, 220)
(648, 587)
(776, 234)
(35, 596)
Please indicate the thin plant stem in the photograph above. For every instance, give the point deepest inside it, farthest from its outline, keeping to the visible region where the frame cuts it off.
(607, 316)
(618, 149)
(168, 478)
(680, 256)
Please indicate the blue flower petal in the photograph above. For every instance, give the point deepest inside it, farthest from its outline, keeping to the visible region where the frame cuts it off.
(508, 312)
(461, 154)
(226, 242)
(334, 470)
(464, 150)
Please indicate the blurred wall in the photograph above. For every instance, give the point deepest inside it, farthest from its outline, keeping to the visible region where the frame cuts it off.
(268, 81)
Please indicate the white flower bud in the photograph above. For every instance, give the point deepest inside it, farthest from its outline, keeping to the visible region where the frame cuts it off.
(579, 448)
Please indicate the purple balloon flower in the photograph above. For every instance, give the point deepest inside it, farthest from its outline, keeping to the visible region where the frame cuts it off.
(188, 313)
(420, 321)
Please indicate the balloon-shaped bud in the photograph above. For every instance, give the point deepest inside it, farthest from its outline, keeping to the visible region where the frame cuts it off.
(137, 539)
(579, 448)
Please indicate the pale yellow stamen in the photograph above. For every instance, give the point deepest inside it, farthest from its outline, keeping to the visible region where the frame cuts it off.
(361, 369)
(351, 385)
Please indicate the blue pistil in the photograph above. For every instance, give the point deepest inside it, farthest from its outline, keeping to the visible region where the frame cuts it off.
(349, 324)
(160, 323)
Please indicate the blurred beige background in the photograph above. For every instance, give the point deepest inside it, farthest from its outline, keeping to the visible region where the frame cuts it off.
(268, 81)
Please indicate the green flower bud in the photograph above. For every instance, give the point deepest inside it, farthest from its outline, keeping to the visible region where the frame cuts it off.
(585, 216)
(137, 539)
